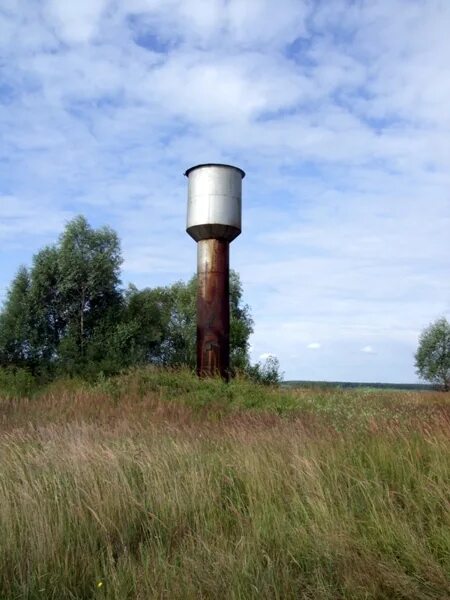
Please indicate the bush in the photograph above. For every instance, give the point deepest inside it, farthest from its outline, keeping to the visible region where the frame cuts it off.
(266, 372)
(16, 383)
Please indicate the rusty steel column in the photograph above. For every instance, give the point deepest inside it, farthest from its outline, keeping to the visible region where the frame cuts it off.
(213, 308)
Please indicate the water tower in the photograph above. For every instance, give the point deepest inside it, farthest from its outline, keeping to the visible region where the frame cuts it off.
(214, 220)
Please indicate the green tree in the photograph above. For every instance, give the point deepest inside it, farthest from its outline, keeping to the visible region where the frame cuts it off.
(68, 314)
(241, 326)
(15, 323)
(62, 313)
(433, 354)
(165, 324)
(266, 372)
(89, 267)
(145, 325)
(47, 319)
(180, 343)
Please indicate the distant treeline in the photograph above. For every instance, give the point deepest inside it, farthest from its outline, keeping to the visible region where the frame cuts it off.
(353, 384)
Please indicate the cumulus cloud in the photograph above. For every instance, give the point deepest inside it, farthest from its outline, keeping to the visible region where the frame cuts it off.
(75, 22)
(266, 355)
(223, 23)
(368, 350)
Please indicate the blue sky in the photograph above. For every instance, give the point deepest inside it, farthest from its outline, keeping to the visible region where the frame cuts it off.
(338, 110)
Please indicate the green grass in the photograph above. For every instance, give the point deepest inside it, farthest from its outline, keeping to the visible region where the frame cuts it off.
(156, 485)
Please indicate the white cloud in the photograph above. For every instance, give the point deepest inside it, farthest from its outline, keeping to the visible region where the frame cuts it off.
(223, 23)
(368, 350)
(266, 355)
(75, 22)
(226, 88)
(314, 346)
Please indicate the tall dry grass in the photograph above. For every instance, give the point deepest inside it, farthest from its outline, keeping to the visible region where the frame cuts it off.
(158, 486)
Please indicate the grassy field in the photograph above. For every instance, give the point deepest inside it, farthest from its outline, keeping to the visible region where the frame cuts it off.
(155, 485)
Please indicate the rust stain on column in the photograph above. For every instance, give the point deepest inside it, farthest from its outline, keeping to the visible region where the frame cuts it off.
(213, 308)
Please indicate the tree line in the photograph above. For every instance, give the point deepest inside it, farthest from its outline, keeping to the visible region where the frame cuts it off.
(68, 315)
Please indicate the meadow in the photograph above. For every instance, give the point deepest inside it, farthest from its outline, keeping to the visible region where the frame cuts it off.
(157, 485)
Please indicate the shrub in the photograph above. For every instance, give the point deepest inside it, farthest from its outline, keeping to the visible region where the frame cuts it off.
(16, 383)
(266, 372)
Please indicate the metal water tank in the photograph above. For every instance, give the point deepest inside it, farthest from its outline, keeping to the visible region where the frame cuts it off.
(214, 202)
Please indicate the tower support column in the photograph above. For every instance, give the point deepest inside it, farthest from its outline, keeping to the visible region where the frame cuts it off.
(213, 308)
